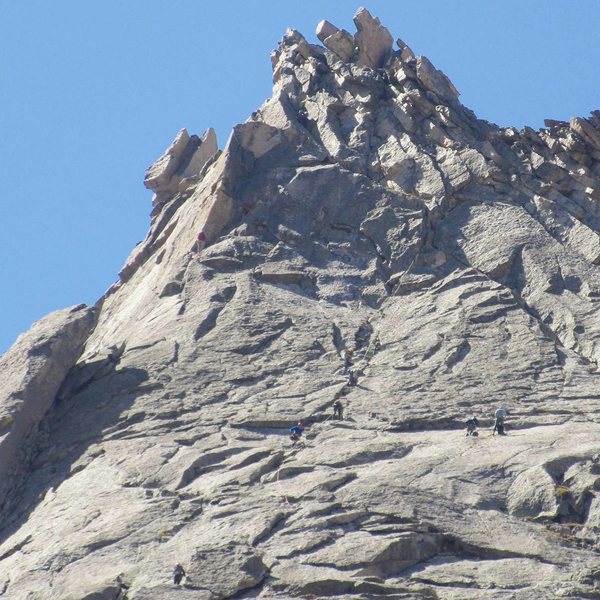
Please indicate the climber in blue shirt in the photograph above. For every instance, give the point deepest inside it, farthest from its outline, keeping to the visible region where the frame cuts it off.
(296, 431)
(472, 425)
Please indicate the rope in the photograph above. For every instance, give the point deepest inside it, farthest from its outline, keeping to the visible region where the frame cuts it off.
(327, 419)
(412, 262)
(372, 342)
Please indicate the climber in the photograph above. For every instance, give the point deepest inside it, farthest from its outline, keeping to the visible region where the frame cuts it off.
(122, 585)
(472, 425)
(200, 241)
(296, 431)
(347, 355)
(499, 423)
(303, 117)
(338, 410)
(178, 574)
(352, 379)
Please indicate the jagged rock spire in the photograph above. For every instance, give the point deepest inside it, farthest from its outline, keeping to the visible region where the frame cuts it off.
(370, 47)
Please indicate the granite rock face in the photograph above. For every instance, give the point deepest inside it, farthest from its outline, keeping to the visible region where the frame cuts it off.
(32, 372)
(361, 220)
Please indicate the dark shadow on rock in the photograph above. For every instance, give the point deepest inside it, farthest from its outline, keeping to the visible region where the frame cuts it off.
(364, 387)
(573, 284)
(75, 423)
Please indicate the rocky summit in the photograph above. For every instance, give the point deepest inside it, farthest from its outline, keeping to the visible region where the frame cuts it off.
(367, 239)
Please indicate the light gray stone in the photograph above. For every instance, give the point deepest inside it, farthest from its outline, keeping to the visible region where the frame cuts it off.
(184, 159)
(342, 43)
(566, 228)
(586, 130)
(325, 29)
(435, 81)
(206, 151)
(337, 40)
(159, 174)
(533, 494)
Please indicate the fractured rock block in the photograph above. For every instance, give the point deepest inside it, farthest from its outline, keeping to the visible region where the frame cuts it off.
(374, 41)
(204, 152)
(342, 43)
(586, 130)
(435, 81)
(159, 174)
(325, 29)
(184, 158)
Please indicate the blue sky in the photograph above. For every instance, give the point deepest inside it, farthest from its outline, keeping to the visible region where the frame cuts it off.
(91, 93)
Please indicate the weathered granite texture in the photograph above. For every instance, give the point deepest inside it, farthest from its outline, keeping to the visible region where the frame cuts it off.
(32, 372)
(361, 219)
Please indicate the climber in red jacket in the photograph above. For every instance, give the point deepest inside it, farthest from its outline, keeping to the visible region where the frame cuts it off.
(200, 241)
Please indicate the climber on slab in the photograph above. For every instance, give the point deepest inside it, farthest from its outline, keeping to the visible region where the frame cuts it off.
(296, 432)
(200, 241)
(500, 415)
(347, 355)
(122, 585)
(338, 410)
(178, 574)
(472, 425)
(352, 378)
